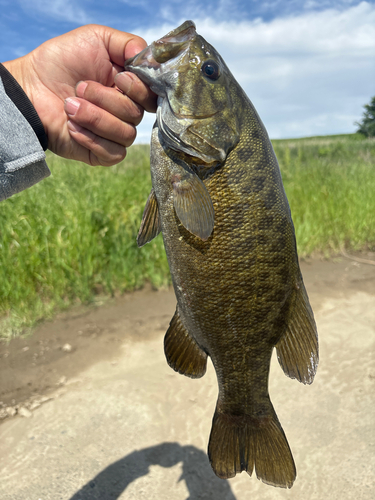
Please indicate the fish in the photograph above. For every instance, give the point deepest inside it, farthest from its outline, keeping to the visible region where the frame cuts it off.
(218, 199)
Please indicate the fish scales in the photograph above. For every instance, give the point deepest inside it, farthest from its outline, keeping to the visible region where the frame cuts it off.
(219, 201)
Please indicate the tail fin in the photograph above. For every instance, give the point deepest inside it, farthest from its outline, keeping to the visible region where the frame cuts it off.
(242, 442)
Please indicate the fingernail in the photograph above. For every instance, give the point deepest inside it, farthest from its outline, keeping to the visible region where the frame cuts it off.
(80, 89)
(123, 81)
(74, 127)
(71, 106)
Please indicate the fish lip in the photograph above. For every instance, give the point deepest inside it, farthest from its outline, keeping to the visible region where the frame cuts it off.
(169, 46)
(144, 59)
(181, 30)
(146, 68)
(162, 55)
(152, 72)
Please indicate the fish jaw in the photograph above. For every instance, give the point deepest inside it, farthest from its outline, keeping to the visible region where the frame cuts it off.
(196, 115)
(156, 64)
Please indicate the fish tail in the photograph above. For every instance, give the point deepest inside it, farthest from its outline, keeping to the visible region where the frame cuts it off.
(244, 443)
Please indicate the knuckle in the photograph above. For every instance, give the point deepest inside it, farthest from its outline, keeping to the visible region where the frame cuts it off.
(105, 156)
(131, 111)
(95, 141)
(93, 119)
(98, 95)
(138, 114)
(121, 156)
(130, 135)
(93, 92)
(93, 159)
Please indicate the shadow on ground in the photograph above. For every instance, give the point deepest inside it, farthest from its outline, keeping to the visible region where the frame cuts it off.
(196, 472)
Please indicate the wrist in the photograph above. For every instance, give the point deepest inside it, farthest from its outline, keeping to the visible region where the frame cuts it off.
(15, 69)
(16, 88)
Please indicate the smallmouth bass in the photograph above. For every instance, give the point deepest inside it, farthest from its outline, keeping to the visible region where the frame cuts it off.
(219, 201)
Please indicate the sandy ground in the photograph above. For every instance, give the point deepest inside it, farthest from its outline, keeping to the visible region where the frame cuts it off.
(91, 410)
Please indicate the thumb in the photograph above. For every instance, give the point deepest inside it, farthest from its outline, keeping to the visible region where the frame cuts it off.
(121, 46)
(134, 46)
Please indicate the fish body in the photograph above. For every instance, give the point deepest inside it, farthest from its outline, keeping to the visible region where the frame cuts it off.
(219, 201)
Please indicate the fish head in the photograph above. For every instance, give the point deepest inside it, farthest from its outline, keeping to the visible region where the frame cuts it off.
(196, 113)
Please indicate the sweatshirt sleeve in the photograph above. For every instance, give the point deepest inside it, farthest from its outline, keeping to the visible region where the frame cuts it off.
(22, 158)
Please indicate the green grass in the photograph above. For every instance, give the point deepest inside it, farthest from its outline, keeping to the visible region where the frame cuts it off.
(73, 236)
(330, 184)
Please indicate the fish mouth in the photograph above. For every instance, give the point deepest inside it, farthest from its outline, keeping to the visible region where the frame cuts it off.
(162, 66)
(162, 56)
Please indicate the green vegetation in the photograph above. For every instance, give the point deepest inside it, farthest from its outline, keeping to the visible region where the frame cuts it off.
(73, 236)
(367, 125)
(330, 184)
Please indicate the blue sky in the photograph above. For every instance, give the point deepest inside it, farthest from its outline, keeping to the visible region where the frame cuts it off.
(307, 65)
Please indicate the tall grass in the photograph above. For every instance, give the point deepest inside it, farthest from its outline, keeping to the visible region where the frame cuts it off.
(330, 184)
(73, 236)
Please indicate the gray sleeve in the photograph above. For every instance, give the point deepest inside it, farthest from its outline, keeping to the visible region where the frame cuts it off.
(22, 159)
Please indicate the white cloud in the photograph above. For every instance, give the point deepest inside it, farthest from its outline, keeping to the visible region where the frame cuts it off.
(306, 74)
(62, 10)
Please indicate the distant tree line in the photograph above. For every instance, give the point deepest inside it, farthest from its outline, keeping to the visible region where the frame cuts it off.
(367, 125)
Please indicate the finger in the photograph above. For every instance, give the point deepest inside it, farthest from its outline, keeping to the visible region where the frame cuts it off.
(121, 45)
(136, 90)
(111, 100)
(99, 121)
(100, 151)
(134, 46)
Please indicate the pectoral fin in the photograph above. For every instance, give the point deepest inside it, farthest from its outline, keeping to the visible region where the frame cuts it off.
(150, 225)
(193, 204)
(297, 351)
(182, 352)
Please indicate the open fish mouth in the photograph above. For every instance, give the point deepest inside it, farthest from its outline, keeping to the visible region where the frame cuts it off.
(162, 56)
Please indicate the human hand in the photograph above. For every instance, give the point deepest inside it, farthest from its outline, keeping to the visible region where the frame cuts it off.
(71, 82)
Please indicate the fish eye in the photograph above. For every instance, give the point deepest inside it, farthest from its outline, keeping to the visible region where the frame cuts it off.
(210, 69)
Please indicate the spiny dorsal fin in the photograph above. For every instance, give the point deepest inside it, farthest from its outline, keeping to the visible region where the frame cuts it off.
(297, 350)
(150, 225)
(193, 204)
(182, 352)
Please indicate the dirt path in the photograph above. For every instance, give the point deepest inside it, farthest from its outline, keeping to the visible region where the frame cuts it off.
(90, 409)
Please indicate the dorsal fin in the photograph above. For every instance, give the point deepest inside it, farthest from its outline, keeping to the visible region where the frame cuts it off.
(182, 352)
(297, 350)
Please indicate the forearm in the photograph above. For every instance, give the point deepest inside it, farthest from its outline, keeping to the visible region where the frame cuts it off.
(16, 88)
(22, 159)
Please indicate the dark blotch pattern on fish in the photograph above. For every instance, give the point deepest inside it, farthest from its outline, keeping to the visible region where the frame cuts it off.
(239, 290)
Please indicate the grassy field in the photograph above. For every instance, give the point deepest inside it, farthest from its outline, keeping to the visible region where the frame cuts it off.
(330, 184)
(72, 237)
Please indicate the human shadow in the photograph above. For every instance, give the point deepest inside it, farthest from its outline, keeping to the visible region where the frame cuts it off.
(200, 481)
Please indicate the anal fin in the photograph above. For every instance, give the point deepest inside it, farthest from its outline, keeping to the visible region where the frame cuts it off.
(297, 350)
(182, 352)
(150, 225)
